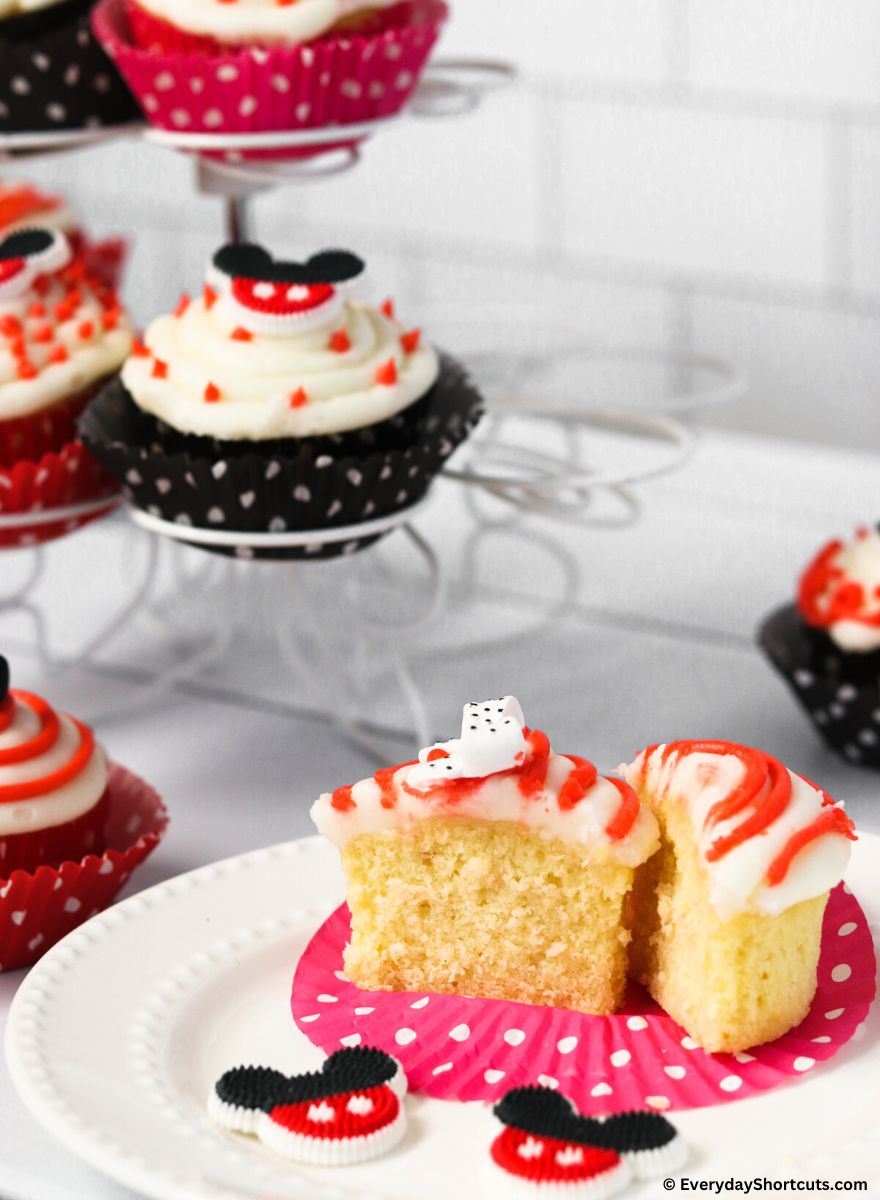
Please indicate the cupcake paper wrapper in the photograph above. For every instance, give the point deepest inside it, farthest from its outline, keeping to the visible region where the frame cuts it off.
(263, 488)
(38, 909)
(56, 75)
(54, 845)
(339, 81)
(459, 1048)
(54, 481)
(843, 706)
(44, 432)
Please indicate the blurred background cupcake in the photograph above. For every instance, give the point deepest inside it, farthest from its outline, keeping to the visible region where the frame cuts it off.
(827, 645)
(63, 333)
(257, 67)
(55, 75)
(273, 402)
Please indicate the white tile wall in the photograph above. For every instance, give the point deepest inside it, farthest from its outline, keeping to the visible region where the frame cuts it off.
(702, 173)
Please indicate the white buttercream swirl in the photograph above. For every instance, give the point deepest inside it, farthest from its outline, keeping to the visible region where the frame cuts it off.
(257, 379)
(737, 881)
(63, 804)
(262, 22)
(852, 567)
(32, 329)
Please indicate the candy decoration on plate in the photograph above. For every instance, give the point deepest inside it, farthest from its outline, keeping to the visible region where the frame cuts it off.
(547, 1143)
(348, 1112)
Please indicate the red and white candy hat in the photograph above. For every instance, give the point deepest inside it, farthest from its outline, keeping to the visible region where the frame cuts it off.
(275, 298)
(28, 253)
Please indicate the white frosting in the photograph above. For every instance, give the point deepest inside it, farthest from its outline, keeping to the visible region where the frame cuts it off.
(258, 378)
(65, 803)
(14, 8)
(263, 22)
(92, 350)
(492, 740)
(495, 796)
(737, 881)
(859, 563)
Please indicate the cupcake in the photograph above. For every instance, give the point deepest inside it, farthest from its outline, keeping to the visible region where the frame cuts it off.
(827, 645)
(53, 784)
(62, 335)
(55, 74)
(275, 403)
(256, 67)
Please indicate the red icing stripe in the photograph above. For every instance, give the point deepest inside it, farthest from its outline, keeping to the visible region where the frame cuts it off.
(342, 799)
(45, 739)
(533, 775)
(624, 819)
(831, 820)
(577, 784)
(826, 596)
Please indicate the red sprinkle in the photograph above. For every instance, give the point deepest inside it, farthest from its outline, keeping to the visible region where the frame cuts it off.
(182, 305)
(240, 334)
(340, 341)
(436, 753)
(25, 369)
(58, 354)
(110, 319)
(209, 296)
(43, 333)
(387, 308)
(139, 350)
(386, 375)
(299, 398)
(160, 369)
(36, 311)
(410, 341)
(10, 326)
(85, 330)
(212, 394)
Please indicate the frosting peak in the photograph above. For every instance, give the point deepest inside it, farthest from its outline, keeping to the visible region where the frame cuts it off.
(769, 838)
(840, 592)
(274, 349)
(500, 771)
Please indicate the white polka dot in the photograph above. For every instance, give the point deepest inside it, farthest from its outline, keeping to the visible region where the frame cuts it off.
(423, 1003)
(350, 88)
(180, 117)
(460, 1033)
(364, 1011)
(19, 85)
(868, 737)
(106, 868)
(164, 82)
(354, 477)
(41, 61)
(834, 1014)
(675, 1072)
(659, 1102)
(72, 905)
(216, 515)
(601, 1089)
(689, 1043)
(71, 75)
(18, 918)
(150, 103)
(280, 83)
(492, 1075)
(403, 1037)
(248, 106)
(35, 942)
(566, 1045)
(822, 1041)
(636, 1023)
(442, 1069)
(303, 111)
(353, 1039)
(803, 1063)
(836, 710)
(514, 1037)
(227, 73)
(548, 1081)
(846, 692)
(196, 85)
(101, 83)
(213, 118)
(56, 112)
(841, 972)
(307, 57)
(730, 1083)
(620, 1058)
(246, 499)
(847, 929)
(326, 998)
(742, 1057)
(393, 50)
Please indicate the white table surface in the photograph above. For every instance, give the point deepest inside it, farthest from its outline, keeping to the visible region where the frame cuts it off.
(659, 644)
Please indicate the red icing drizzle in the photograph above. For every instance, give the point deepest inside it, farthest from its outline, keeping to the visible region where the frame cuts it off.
(39, 745)
(764, 792)
(826, 595)
(342, 799)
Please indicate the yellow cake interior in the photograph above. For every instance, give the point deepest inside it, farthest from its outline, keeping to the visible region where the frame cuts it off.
(731, 984)
(487, 908)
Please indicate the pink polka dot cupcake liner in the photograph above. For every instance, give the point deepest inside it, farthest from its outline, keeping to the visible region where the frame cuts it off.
(342, 80)
(38, 908)
(461, 1048)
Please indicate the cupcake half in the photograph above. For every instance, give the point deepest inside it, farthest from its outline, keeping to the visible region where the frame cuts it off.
(827, 645)
(257, 67)
(63, 334)
(273, 402)
(55, 74)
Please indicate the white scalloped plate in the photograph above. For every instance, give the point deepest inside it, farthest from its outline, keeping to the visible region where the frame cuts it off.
(116, 1036)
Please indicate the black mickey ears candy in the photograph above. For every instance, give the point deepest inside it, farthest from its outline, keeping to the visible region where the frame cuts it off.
(263, 1088)
(29, 253)
(4, 678)
(253, 262)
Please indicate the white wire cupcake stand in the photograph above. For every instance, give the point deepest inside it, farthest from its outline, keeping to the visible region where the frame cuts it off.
(538, 459)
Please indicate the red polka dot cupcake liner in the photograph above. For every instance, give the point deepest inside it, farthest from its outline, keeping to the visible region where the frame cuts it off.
(48, 431)
(839, 692)
(56, 75)
(49, 847)
(463, 1048)
(56, 480)
(39, 908)
(339, 80)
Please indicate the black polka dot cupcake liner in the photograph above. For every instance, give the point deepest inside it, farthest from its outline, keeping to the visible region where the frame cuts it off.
(839, 692)
(315, 486)
(56, 76)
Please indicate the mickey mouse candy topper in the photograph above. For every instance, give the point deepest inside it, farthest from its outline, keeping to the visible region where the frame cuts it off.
(546, 1142)
(4, 680)
(271, 297)
(27, 254)
(348, 1112)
